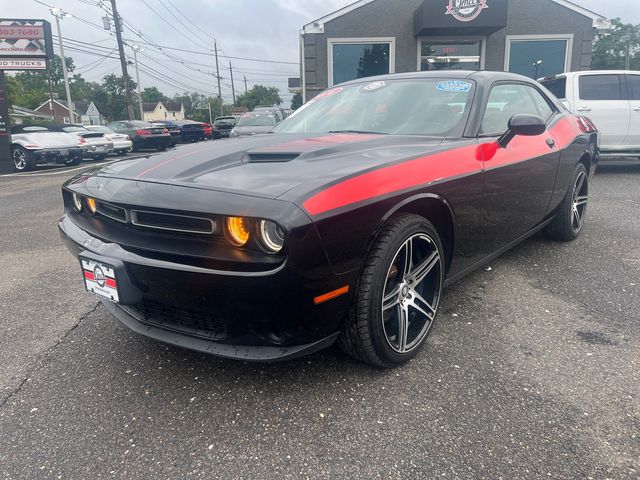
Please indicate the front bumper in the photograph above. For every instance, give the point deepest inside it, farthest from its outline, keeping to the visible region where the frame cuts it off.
(258, 316)
(97, 149)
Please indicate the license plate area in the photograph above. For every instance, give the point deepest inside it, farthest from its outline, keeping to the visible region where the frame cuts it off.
(100, 278)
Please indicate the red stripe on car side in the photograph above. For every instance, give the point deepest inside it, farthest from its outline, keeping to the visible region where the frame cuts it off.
(438, 166)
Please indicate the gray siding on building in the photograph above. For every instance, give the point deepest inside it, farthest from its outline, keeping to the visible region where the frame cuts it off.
(395, 18)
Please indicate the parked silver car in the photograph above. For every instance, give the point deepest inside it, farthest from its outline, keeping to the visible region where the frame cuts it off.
(94, 144)
(121, 143)
(37, 145)
(253, 123)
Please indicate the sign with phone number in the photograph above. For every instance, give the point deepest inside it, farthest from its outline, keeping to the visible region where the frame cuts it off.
(21, 32)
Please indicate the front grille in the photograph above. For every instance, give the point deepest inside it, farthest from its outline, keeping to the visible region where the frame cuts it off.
(111, 211)
(200, 324)
(176, 223)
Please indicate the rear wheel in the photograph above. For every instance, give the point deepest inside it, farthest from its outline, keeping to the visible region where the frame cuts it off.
(22, 159)
(571, 213)
(162, 149)
(73, 161)
(398, 294)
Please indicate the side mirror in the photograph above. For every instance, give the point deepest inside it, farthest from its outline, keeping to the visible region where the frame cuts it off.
(524, 125)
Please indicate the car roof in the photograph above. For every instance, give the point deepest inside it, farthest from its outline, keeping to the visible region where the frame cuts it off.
(591, 72)
(484, 76)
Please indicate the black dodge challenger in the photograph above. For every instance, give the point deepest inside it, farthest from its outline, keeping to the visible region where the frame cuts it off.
(343, 224)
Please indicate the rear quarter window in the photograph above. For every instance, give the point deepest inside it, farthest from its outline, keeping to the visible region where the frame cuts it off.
(557, 86)
(600, 87)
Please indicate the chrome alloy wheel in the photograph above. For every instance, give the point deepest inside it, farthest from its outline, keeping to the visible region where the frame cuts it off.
(579, 202)
(411, 293)
(19, 159)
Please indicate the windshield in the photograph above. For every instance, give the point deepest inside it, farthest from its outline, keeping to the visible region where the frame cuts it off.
(257, 120)
(222, 122)
(425, 106)
(99, 128)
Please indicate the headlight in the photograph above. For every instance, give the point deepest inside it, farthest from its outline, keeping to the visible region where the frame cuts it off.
(271, 236)
(77, 202)
(237, 231)
(91, 203)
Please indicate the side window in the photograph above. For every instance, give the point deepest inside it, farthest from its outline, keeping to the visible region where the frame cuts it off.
(600, 87)
(633, 82)
(505, 101)
(544, 110)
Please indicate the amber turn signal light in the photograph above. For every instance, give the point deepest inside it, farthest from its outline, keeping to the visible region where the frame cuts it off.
(91, 203)
(237, 231)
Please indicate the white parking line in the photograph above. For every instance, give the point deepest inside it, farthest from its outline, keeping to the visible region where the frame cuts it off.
(67, 170)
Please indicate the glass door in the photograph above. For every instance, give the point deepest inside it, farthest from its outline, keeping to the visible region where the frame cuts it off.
(460, 55)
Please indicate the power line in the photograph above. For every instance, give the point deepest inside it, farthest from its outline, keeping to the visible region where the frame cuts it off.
(182, 23)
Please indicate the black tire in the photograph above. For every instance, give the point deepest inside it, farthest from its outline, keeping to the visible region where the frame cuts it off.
(162, 149)
(72, 162)
(23, 160)
(364, 335)
(570, 214)
(99, 157)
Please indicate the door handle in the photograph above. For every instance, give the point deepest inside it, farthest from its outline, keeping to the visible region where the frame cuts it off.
(551, 142)
(584, 109)
(637, 109)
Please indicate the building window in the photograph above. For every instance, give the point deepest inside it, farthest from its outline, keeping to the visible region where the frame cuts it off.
(360, 57)
(460, 55)
(537, 56)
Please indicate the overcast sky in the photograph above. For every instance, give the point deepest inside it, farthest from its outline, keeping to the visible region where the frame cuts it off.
(258, 29)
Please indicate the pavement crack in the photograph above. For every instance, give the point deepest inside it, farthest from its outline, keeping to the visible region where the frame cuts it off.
(46, 356)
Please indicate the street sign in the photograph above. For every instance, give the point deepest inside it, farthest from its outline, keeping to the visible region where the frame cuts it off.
(23, 64)
(6, 163)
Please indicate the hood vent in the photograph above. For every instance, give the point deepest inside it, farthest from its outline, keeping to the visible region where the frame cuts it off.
(274, 157)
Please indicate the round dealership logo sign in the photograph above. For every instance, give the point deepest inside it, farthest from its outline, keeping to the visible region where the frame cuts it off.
(466, 10)
(99, 276)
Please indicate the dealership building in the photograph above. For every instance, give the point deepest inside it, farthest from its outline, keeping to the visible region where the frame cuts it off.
(535, 38)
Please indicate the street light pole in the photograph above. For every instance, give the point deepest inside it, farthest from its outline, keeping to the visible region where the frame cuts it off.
(58, 13)
(135, 49)
(537, 64)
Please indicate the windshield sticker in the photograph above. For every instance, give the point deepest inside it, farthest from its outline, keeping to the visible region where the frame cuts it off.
(374, 86)
(454, 86)
(328, 93)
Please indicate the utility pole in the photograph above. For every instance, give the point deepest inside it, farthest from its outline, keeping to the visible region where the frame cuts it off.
(58, 13)
(123, 60)
(135, 49)
(233, 87)
(245, 84)
(215, 47)
(210, 117)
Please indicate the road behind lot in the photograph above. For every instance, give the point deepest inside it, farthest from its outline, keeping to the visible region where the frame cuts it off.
(532, 371)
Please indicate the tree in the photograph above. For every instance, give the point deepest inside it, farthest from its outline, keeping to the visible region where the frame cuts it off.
(259, 95)
(617, 49)
(153, 95)
(109, 99)
(296, 101)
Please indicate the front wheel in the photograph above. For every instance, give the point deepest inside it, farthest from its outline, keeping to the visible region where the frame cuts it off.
(398, 294)
(22, 159)
(162, 149)
(73, 161)
(571, 213)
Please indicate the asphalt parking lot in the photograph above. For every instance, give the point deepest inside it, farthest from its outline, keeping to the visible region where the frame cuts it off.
(533, 371)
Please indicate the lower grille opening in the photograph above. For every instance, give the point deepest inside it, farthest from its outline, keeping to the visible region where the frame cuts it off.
(190, 322)
(178, 223)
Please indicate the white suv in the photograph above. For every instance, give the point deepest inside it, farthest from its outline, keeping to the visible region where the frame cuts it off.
(611, 99)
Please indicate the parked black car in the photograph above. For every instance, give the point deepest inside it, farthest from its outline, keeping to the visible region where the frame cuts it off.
(344, 224)
(143, 134)
(174, 131)
(190, 131)
(222, 127)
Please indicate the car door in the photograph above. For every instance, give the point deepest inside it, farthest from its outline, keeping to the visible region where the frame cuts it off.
(602, 98)
(519, 179)
(632, 141)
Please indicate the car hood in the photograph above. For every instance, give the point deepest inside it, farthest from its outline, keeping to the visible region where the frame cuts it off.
(47, 139)
(252, 130)
(271, 166)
